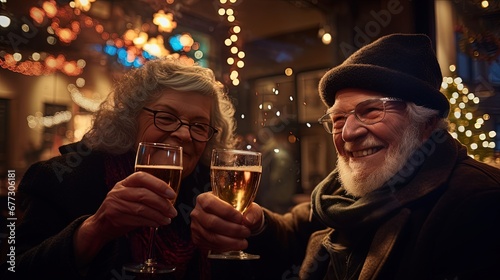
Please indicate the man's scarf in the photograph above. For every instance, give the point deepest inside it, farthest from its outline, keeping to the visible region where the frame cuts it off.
(426, 170)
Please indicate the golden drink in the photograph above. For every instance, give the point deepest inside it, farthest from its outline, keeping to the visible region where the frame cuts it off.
(236, 185)
(169, 173)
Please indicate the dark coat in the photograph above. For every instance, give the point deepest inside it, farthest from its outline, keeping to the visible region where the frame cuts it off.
(58, 195)
(450, 231)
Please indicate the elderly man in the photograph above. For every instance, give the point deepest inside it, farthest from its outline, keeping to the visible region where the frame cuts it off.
(405, 201)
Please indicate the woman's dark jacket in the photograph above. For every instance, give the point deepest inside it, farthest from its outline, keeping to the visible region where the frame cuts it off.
(59, 194)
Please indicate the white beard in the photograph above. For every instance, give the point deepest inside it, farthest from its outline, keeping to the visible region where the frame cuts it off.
(358, 183)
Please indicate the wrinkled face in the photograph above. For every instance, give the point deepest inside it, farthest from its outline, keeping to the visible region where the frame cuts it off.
(189, 107)
(368, 155)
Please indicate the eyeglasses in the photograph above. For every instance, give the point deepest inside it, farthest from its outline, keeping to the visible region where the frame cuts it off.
(368, 112)
(167, 122)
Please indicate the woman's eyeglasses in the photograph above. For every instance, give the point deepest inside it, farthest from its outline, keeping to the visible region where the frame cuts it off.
(168, 122)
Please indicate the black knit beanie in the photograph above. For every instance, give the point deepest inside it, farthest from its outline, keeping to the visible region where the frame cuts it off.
(397, 65)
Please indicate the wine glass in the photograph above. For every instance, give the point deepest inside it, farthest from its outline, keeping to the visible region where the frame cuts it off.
(165, 162)
(235, 177)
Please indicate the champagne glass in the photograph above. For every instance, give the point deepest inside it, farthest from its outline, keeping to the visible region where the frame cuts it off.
(165, 162)
(235, 177)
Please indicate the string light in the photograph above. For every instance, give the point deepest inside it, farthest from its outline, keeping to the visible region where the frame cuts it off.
(86, 103)
(38, 120)
(464, 126)
(233, 41)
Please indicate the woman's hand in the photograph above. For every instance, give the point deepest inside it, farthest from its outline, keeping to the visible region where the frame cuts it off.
(139, 200)
(216, 225)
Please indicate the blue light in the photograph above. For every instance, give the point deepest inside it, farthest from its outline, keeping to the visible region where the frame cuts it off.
(147, 55)
(175, 43)
(122, 54)
(111, 50)
(137, 63)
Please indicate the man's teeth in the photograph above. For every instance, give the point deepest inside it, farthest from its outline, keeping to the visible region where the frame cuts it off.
(364, 153)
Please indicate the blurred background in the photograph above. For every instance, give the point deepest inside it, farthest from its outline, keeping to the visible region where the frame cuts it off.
(58, 60)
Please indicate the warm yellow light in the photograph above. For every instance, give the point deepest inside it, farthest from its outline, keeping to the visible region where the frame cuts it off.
(69, 68)
(234, 75)
(37, 14)
(50, 8)
(485, 4)
(17, 56)
(51, 62)
(66, 35)
(165, 22)
(326, 38)
(186, 40)
(130, 35)
(156, 47)
(140, 40)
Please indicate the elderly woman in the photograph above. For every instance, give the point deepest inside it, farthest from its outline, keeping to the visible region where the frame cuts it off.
(87, 211)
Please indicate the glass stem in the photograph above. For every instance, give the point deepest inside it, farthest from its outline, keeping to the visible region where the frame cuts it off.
(152, 236)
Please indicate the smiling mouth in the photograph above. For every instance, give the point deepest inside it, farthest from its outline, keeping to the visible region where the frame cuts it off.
(364, 153)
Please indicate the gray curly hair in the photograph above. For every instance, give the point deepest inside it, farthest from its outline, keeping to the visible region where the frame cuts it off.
(115, 125)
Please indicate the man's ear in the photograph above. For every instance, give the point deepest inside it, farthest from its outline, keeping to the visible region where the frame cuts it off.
(428, 127)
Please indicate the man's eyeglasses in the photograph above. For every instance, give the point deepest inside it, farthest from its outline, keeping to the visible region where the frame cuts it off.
(368, 112)
(167, 122)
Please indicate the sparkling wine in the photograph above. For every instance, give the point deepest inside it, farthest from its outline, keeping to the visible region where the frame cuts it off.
(169, 173)
(236, 185)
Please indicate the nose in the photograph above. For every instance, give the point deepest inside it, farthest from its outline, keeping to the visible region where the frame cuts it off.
(352, 129)
(183, 133)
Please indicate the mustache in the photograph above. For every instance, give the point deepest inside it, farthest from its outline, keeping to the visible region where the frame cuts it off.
(364, 143)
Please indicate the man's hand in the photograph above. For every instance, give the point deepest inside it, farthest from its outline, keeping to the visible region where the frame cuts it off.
(216, 225)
